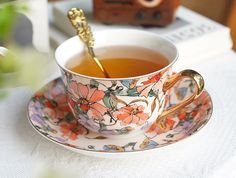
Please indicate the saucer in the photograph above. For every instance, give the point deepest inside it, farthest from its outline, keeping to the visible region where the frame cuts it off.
(50, 116)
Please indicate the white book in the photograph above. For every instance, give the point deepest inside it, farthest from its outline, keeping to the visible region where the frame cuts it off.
(195, 36)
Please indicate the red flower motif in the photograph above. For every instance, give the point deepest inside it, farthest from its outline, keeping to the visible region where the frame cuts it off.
(87, 100)
(38, 95)
(204, 102)
(71, 130)
(182, 116)
(62, 103)
(194, 113)
(48, 104)
(149, 84)
(170, 122)
(153, 79)
(54, 114)
(131, 115)
(162, 127)
(55, 105)
(56, 99)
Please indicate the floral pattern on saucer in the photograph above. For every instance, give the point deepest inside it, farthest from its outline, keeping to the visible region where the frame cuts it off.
(51, 116)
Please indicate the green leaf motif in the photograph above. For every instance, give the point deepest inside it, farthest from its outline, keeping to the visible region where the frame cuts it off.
(133, 92)
(152, 93)
(79, 110)
(124, 130)
(110, 102)
(189, 118)
(94, 83)
(131, 144)
(102, 127)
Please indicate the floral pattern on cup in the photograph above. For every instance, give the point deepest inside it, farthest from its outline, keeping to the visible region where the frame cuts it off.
(87, 99)
(131, 114)
(115, 107)
(50, 116)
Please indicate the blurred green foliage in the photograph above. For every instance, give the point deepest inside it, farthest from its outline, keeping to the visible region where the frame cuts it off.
(28, 69)
(19, 66)
(8, 15)
(7, 20)
(31, 66)
(2, 1)
(8, 65)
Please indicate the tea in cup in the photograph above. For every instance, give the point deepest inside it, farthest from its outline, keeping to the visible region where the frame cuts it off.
(139, 64)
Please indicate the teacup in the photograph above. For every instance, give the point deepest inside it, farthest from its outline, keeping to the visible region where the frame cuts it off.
(120, 106)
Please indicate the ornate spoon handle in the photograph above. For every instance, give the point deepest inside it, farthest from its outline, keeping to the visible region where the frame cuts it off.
(79, 22)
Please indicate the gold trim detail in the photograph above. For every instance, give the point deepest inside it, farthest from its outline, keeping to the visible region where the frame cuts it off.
(172, 80)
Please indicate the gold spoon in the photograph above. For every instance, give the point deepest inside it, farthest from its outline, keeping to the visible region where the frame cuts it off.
(79, 22)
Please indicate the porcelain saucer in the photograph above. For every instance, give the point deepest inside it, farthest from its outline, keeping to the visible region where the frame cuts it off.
(50, 116)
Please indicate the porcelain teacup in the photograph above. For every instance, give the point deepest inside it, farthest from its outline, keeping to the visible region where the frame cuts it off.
(121, 106)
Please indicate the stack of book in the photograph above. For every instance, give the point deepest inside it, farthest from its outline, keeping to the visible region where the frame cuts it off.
(195, 36)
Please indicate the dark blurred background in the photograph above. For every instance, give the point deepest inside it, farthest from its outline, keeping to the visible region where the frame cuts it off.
(222, 11)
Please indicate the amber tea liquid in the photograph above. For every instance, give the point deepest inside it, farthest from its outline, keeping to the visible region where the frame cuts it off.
(119, 61)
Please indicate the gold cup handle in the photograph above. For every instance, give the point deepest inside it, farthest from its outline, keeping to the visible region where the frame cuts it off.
(171, 81)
